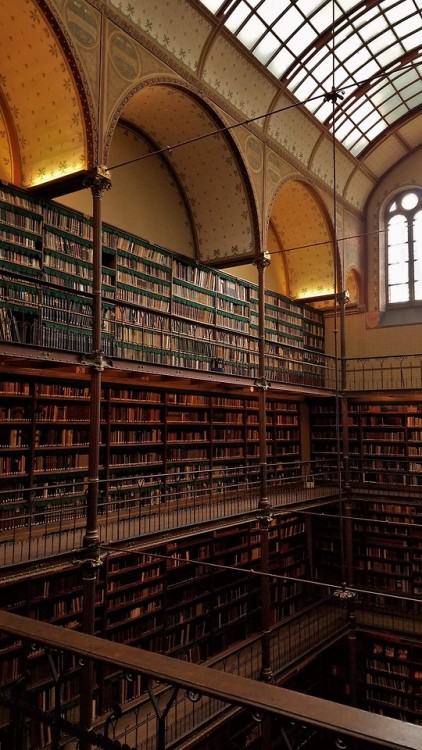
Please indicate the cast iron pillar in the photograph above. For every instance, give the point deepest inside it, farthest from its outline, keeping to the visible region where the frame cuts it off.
(98, 180)
(264, 508)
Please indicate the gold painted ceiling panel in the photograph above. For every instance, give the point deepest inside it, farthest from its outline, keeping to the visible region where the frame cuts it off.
(323, 163)
(40, 92)
(6, 156)
(358, 189)
(300, 223)
(207, 169)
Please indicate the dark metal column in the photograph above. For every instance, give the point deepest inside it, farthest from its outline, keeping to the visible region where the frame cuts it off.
(346, 488)
(99, 181)
(264, 508)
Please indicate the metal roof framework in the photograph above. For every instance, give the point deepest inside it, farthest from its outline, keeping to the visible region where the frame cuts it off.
(368, 51)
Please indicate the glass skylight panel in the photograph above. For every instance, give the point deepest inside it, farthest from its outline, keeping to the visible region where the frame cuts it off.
(376, 130)
(367, 71)
(286, 37)
(267, 47)
(389, 55)
(251, 32)
(322, 108)
(401, 10)
(342, 131)
(314, 60)
(324, 17)
(368, 121)
(412, 90)
(324, 69)
(269, 11)
(302, 39)
(362, 17)
(391, 117)
(412, 41)
(405, 79)
(281, 62)
(290, 22)
(239, 15)
(390, 104)
(212, 5)
(362, 107)
(347, 5)
(346, 48)
(307, 89)
(357, 59)
(369, 30)
(381, 42)
(308, 6)
(415, 101)
(384, 91)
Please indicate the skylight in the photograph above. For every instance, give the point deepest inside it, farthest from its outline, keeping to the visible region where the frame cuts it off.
(366, 51)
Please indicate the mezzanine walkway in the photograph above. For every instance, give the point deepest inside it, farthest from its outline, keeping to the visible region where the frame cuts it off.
(60, 529)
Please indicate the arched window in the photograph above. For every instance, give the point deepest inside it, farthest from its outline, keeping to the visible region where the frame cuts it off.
(404, 248)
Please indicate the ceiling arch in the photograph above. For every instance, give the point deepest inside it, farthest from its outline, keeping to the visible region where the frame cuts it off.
(209, 168)
(43, 133)
(304, 233)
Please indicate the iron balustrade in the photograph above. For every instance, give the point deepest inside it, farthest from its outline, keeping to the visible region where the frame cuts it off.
(395, 372)
(275, 703)
(38, 522)
(292, 640)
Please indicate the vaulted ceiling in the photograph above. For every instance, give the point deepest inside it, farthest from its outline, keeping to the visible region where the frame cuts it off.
(49, 79)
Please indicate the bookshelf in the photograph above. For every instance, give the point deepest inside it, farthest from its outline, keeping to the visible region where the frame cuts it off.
(385, 439)
(388, 544)
(57, 598)
(289, 553)
(323, 425)
(393, 677)
(388, 438)
(157, 444)
(162, 597)
(327, 552)
(386, 547)
(158, 308)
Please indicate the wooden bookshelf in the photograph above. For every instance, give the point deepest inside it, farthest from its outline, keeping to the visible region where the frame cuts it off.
(392, 676)
(160, 444)
(388, 545)
(158, 308)
(385, 440)
(161, 597)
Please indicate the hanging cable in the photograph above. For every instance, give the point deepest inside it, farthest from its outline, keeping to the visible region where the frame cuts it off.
(179, 561)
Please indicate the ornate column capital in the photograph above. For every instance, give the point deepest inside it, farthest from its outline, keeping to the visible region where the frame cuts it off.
(262, 260)
(99, 180)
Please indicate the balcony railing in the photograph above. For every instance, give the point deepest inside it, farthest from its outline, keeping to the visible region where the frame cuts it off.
(384, 373)
(40, 522)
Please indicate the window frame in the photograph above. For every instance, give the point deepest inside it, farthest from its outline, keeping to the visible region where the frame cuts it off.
(409, 214)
